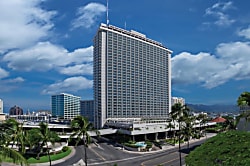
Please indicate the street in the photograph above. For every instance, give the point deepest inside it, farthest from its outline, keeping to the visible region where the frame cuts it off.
(108, 155)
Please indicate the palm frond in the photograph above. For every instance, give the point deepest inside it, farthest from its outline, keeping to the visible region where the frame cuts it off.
(17, 158)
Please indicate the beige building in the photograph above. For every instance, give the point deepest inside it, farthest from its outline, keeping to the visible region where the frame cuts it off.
(2, 117)
(175, 100)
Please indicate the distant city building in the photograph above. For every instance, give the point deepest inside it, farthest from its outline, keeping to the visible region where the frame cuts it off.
(175, 100)
(1, 106)
(65, 106)
(87, 109)
(16, 110)
(39, 116)
(132, 76)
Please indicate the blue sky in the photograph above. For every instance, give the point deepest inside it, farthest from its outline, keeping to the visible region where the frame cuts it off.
(46, 46)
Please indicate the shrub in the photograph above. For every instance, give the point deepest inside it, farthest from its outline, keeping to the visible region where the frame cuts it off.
(228, 148)
(149, 144)
(65, 148)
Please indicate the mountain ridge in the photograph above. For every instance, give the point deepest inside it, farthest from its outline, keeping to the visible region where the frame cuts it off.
(217, 108)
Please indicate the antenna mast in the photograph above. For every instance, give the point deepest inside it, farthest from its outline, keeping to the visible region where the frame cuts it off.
(107, 12)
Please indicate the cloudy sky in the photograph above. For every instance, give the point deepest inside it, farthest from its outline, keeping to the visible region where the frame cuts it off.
(46, 46)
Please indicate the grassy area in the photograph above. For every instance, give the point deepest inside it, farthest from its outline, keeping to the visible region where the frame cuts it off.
(44, 159)
(227, 149)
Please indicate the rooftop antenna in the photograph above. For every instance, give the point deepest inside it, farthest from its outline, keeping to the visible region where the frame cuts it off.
(125, 25)
(107, 12)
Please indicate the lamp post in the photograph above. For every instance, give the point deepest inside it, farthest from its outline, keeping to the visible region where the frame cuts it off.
(85, 149)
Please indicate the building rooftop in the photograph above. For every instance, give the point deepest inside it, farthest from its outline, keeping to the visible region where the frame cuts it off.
(133, 33)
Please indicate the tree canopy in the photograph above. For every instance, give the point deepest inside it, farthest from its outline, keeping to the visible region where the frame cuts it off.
(244, 99)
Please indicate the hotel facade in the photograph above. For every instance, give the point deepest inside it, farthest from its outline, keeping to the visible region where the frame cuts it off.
(132, 76)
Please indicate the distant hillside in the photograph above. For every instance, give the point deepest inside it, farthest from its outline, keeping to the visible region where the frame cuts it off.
(213, 108)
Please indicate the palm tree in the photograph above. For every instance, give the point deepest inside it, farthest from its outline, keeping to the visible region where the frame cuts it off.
(46, 136)
(31, 138)
(17, 134)
(80, 126)
(188, 128)
(202, 118)
(174, 114)
(171, 126)
(5, 151)
(178, 113)
(17, 158)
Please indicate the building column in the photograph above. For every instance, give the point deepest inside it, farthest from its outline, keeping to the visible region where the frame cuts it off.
(166, 135)
(133, 138)
(156, 136)
(145, 137)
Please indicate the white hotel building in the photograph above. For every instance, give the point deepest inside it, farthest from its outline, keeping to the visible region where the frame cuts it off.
(1, 106)
(132, 76)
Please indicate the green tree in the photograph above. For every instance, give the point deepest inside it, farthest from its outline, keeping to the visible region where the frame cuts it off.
(17, 134)
(244, 103)
(188, 130)
(32, 139)
(171, 126)
(230, 123)
(80, 127)
(46, 136)
(203, 119)
(244, 100)
(178, 113)
(174, 114)
(5, 150)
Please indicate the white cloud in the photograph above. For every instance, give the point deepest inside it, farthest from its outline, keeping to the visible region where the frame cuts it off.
(191, 69)
(218, 12)
(45, 56)
(10, 84)
(83, 69)
(15, 80)
(223, 6)
(245, 33)
(72, 84)
(231, 62)
(88, 15)
(3, 73)
(23, 23)
(236, 56)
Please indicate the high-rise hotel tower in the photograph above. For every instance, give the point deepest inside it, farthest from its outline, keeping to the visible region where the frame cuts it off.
(132, 77)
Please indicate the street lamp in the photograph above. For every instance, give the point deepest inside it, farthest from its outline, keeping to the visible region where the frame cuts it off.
(85, 149)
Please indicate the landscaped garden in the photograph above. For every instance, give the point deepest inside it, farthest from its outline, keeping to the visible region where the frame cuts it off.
(35, 145)
(43, 159)
(31, 159)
